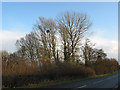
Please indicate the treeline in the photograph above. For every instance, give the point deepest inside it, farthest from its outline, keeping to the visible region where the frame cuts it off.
(53, 51)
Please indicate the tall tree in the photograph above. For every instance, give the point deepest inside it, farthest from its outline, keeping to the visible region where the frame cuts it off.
(72, 26)
(91, 54)
(29, 47)
(88, 51)
(45, 30)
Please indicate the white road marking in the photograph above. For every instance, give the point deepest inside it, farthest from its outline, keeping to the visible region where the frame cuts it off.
(98, 82)
(95, 82)
(79, 87)
(109, 78)
(82, 86)
(104, 79)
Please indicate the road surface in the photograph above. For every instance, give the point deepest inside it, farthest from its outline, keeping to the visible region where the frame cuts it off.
(110, 81)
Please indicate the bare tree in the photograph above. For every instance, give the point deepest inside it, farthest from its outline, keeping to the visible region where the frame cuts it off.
(100, 54)
(88, 52)
(29, 47)
(91, 54)
(45, 30)
(72, 26)
(4, 55)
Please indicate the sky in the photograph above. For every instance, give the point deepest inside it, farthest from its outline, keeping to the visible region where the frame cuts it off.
(18, 19)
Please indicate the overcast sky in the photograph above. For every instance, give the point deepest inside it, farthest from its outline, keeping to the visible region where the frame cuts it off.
(18, 19)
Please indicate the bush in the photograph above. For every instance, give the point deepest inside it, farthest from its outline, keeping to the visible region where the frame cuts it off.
(20, 73)
(105, 66)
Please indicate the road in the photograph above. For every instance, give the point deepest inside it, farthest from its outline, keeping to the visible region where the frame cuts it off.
(110, 81)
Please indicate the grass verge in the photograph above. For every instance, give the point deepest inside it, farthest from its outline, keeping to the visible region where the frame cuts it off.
(49, 84)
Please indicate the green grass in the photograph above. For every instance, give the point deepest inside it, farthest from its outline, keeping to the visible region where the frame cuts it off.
(47, 84)
(106, 74)
(54, 83)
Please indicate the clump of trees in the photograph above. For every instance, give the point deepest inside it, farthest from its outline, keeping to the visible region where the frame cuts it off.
(91, 54)
(105, 66)
(39, 56)
(70, 26)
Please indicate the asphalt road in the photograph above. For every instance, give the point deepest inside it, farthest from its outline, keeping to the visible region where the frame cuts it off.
(110, 81)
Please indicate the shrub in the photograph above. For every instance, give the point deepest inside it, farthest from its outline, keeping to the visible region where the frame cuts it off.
(105, 66)
(20, 73)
